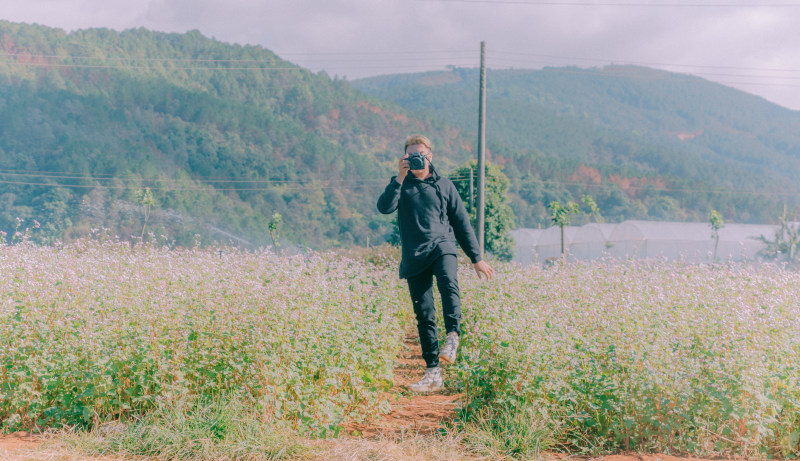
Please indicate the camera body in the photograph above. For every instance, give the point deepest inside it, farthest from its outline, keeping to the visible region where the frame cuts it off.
(416, 161)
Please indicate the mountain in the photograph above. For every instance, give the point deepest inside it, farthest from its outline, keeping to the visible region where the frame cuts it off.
(644, 143)
(224, 136)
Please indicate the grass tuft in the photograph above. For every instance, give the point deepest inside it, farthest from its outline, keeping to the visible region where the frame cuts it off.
(194, 428)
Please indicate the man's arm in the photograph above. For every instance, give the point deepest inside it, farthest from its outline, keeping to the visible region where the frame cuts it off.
(388, 200)
(459, 220)
(390, 197)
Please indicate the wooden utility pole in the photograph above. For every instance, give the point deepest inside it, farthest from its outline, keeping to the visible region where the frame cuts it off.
(471, 191)
(482, 151)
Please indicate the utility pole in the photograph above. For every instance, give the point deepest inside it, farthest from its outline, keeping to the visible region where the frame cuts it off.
(482, 151)
(471, 191)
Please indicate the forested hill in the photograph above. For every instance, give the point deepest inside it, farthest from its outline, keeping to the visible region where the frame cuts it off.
(644, 143)
(225, 136)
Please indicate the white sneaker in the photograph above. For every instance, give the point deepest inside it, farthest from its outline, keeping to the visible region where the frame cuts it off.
(432, 381)
(448, 354)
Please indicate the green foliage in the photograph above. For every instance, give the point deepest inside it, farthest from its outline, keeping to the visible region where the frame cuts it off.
(562, 216)
(594, 210)
(146, 199)
(194, 427)
(717, 223)
(785, 244)
(274, 226)
(498, 215)
(497, 431)
(715, 219)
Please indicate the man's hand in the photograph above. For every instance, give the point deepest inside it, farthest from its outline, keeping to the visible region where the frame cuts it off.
(482, 267)
(402, 169)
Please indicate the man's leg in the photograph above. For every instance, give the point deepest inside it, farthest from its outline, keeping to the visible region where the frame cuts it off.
(446, 271)
(421, 289)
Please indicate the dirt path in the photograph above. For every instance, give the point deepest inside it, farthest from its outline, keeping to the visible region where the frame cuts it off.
(16, 441)
(411, 413)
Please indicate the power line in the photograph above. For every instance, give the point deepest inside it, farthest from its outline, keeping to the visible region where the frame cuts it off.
(696, 74)
(217, 179)
(56, 175)
(281, 187)
(642, 63)
(508, 64)
(359, 57)
(293, 185)
(414, 53)
(292, 68)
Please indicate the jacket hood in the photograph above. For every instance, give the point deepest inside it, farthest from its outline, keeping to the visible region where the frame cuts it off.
(434, 177)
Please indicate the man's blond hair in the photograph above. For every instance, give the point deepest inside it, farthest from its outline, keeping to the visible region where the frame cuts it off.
(418, 139)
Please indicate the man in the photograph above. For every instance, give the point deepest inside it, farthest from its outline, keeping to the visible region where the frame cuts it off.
(431, 218)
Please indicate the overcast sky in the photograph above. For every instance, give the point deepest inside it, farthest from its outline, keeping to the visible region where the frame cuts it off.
(750, 45)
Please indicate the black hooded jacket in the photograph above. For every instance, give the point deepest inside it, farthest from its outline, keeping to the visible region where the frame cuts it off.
(431, 218)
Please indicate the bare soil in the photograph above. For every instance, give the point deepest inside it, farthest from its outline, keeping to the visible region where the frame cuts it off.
(17, 440)
(419, 414)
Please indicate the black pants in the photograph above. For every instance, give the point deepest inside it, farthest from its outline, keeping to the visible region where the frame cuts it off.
(420, 287)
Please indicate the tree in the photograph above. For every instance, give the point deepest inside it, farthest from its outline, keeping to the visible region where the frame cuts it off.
(499, 217)
(394, 238)
(716, 224)
(562, 216)
(146, 199)
(274, 226)
(594, 210)
(785, 243)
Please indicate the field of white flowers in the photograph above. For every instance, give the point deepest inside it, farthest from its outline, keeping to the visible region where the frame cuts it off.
(95, 330)
(582, 358)
(646, 356)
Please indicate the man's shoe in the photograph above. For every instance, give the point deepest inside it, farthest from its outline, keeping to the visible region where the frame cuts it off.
(450, 348)
(432, 381)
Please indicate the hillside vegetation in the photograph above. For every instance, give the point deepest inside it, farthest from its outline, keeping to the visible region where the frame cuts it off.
(224, 135)
(644, 143)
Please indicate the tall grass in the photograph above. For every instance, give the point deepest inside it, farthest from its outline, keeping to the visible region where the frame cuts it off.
(193, 428)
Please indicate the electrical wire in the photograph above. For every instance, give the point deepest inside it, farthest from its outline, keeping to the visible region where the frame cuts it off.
(512, 62)
(621, 4)
(284, 185)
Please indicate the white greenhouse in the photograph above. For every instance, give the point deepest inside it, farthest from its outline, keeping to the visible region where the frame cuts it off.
(691, 242)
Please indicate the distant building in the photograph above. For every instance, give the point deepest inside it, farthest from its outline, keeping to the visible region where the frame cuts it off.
(690, 242)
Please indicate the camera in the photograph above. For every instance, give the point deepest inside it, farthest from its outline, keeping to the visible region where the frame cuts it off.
(416, 161)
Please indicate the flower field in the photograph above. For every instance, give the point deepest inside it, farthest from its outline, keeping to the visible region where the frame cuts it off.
(582, 358)
(646, 356)
(92, 331)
